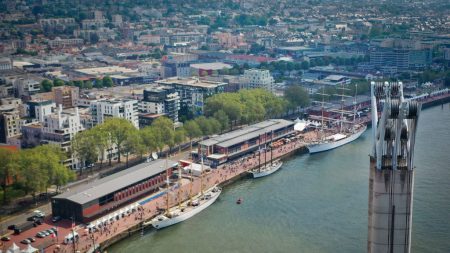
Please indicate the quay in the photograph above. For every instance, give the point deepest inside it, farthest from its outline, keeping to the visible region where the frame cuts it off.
(223, 175)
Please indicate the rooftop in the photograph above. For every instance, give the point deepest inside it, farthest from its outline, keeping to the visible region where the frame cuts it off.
(193, 82)
(106, 70)
(115, 182)
(211, 66)
(246, 133)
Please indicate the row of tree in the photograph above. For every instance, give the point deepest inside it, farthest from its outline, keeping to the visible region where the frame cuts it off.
(47, 85)
(118, 136)
(245, 106)
(33, 170)
(222, 111)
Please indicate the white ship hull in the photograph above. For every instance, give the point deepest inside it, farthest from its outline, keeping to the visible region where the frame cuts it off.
(163, 221)
(265, 172)
(325, 146)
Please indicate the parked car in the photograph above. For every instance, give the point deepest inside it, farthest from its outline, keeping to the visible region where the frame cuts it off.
(12, 227)
(38, 214)
(17, 231)
(25, 241)
(6, 238)
(56, 219)
(31, 218)
(40, 235)
(31, 239)
(50, 231)
(45, 233)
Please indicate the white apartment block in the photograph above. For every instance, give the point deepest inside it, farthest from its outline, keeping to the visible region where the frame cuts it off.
(5, 64)
(59, 128)
(151, 107)
(58, 42)
(9, 122)
(119, 108)
(26, 87)
(39, 109)
(259, 78)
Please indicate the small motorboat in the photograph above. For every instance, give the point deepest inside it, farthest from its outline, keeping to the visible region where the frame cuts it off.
(239, 201)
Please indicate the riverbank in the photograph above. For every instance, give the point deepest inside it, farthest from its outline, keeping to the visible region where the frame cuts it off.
(115, 230)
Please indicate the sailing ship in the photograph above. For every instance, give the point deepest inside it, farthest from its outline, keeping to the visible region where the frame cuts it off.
(186, 210)
(330, 138)
(267, 168)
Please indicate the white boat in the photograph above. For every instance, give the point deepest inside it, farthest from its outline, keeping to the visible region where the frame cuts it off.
(187, 209)
(267, 169)
(335, 141)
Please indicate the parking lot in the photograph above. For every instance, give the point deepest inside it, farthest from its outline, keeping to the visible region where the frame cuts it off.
(63, 227)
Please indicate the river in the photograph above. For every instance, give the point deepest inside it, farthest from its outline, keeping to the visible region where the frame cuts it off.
(316, 203)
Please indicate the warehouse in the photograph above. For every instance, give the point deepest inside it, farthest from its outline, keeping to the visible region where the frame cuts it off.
(111, 192)
(240, 142)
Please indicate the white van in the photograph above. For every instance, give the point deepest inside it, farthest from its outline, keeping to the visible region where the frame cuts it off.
(70, 237)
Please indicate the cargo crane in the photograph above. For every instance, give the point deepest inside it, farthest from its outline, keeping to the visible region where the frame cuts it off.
(391, 179)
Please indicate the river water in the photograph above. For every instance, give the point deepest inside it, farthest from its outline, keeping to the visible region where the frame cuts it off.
(316, 203)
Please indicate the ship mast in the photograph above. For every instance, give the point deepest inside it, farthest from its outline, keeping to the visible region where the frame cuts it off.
(342, 111)
(265, 150)
(259, 153)
(167, 186)
(271, 148)
(201, 178)
(354, 107)
(179, 186)
(323, 101)
(191, 179)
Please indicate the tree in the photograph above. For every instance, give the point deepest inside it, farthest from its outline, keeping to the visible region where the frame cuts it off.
(119, 129)
(87, 85)
(46, 85)
(82, 147)
(107, 81)
(215, 125)
(179, 137)
(42, 167)
(8, 169)
(165, 133)
(78, 84)
(51, 162)
(101, 142)
(223, 119)
(133, 144)
(192, 130)
(204, 124)
(93, 38)
(296, 96)
(33, 178)
(58, 82)
(149, 138)
(98, 83)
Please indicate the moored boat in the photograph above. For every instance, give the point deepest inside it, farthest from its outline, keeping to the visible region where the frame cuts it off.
(187, 210)
(335, 140)
(266, 169)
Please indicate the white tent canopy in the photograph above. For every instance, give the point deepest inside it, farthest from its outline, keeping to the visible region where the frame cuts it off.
(14, 248)
(29, 249)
